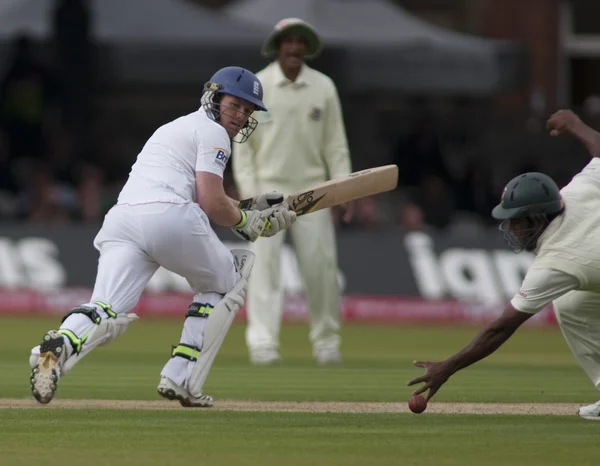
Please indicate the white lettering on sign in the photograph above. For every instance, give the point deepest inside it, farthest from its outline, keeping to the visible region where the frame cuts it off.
(30, 262)
(468, 274)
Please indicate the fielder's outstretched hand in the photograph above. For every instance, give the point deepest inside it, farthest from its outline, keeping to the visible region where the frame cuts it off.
(436, 375)
(562, 122)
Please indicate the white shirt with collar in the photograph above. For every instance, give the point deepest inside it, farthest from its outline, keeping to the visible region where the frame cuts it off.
(299, 141)
(165, 169)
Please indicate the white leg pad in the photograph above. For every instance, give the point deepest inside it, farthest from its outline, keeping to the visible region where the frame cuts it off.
(219, 321)
(105, 332)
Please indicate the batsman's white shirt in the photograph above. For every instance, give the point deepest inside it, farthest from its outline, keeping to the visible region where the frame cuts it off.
(165, 170)
(566, 270)
(157, 221)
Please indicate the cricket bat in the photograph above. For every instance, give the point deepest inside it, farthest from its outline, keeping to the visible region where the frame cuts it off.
(341, 190)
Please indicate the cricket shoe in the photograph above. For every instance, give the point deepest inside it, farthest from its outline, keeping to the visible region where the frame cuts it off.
(46, 371)
(265, 357)
(328, 357)
(590, 412)
(171, 391)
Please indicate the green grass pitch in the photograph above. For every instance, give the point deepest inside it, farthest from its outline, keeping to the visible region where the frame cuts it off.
(534, 367)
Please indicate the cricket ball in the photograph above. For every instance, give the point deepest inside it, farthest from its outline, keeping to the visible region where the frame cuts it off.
(417, 404)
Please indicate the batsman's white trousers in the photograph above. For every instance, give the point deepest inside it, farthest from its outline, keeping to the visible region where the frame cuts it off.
(313, 238)
(578, 313)
(136, 239)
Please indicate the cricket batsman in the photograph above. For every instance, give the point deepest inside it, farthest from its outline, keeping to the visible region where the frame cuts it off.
(300, 142)
(162, 218)
(562, 229)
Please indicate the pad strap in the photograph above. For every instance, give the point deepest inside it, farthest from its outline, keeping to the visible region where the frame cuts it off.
(89, 312)
(106, 308)
(199, 310)
(76, 342)
(188, 352)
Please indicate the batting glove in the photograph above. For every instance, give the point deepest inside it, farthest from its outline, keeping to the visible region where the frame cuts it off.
(253, 224)
(262, 202)
(280, 219)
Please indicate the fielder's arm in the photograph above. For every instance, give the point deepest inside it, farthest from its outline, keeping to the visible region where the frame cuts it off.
(588, 137)
(539, 288)
(487, 341)
(565, 121)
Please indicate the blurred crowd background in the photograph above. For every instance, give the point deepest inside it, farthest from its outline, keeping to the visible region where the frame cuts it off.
(75, 110)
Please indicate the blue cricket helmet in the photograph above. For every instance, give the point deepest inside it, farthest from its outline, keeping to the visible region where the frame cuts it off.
(239, 82)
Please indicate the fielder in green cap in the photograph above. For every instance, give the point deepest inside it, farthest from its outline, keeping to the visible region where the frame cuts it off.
(300, 142)
(562, 229)
(289, 30)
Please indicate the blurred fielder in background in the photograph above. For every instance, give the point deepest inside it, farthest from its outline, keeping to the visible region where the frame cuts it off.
(162, 219)
(562, 229)
(300, 142)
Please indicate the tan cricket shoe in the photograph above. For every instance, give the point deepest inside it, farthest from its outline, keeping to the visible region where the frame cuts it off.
(46, 371)
(171, 391)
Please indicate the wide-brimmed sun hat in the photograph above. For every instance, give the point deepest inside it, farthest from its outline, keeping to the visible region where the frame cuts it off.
(293, 26)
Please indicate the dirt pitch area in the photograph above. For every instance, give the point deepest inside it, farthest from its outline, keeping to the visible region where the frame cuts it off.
(558, 409)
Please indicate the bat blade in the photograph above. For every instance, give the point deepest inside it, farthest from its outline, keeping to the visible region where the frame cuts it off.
(341, 190)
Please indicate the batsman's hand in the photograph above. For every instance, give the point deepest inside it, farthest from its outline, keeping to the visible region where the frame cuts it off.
(262, 202)
(436, 375)
(563, 122)
(253, 224)
(280, 219)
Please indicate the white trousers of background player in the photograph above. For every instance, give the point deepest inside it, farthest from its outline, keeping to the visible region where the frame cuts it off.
(578, 314)
(134, 241)
(313, 238)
